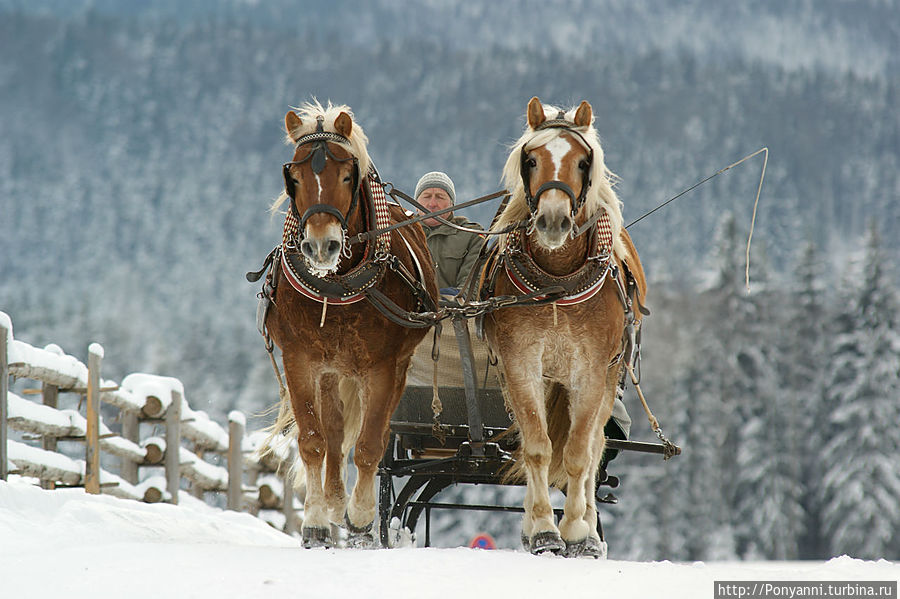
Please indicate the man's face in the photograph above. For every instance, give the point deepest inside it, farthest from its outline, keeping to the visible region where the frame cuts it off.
(434, 198)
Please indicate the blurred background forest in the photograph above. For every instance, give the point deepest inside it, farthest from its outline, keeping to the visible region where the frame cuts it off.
(141, 144)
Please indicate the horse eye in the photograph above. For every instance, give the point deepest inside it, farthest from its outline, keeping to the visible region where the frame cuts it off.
(347, 179)
(583, 164)
(531, 162)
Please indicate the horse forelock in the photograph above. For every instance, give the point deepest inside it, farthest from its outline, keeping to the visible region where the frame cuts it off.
(601, 192)
(308, 113)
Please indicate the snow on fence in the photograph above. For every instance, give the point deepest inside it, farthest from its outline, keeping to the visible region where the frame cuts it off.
(251, 483)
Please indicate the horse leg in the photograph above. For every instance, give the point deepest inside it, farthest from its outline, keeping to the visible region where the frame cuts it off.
(526, 392)
(584, 448)
(383, 387)
(527, 522)
(594, 546)
(316, 530)
(333, 426)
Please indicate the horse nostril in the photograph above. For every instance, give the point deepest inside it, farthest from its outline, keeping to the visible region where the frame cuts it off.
(333, 246)
(306, 248)
(565, 224)
(541, 222)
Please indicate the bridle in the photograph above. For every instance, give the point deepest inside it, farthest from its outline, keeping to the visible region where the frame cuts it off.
(526, 164)
(318, 155)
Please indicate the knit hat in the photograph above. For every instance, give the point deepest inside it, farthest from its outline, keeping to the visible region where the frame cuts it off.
(439, 180)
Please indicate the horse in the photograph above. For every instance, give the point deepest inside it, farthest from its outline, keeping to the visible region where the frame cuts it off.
(562, 360)
(343, 315)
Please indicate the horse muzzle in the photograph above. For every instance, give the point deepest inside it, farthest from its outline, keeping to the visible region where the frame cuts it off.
(553, 222)
(323, 251)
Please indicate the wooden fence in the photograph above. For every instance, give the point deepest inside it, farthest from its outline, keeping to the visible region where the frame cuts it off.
(140, 402)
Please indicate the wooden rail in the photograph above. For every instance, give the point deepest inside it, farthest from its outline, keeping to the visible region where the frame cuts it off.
(250, 483)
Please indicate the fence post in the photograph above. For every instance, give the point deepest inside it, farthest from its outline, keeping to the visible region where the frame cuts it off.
(50, 396)
(92, 444)
(4, 400)
(131, 431)
(173, 446)
(236, 427)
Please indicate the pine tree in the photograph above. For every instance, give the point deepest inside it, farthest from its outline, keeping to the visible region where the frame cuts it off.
(803, 372)
(861, 484)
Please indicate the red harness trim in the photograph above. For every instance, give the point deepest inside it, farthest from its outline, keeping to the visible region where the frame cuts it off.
(382, 218)
(566, 301)
(604, 245)
(313, 295)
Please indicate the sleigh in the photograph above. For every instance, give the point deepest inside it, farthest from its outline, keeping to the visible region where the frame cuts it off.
(468, 442)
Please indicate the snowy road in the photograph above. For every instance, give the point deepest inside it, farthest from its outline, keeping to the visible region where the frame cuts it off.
(64, 543)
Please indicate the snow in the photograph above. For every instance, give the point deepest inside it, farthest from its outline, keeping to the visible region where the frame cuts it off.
(142, 386)
(197, 426)
(96, 349)
(67, 367)
(6, 323)
(237, 417)
(45, 418)
(95, 544)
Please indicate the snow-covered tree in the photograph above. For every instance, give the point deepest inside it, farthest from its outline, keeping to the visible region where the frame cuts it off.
(861, 483)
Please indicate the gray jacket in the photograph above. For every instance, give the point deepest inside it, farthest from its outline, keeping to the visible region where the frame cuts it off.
(454, 251)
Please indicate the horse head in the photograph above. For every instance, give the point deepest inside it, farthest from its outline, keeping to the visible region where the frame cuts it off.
(322, 181)
(557, 175)
(555, 171)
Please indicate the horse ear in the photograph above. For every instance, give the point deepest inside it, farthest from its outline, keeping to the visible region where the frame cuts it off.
(535, 113)
(343, 124)
(292, 123)
(584, 114)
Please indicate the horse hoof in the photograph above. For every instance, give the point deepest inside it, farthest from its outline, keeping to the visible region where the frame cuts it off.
(362, 540)
(359, 537)
(589, 547)
(316, 536)
(547, 542)
(526, 542)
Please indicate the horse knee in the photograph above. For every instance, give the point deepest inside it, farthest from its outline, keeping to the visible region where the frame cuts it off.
(312, 449)
(367, 454)
(538, 455)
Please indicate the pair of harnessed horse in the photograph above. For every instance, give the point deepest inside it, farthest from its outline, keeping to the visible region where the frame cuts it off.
(476, 299)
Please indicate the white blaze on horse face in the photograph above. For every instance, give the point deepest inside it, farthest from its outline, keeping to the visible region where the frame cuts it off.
(319, 183)
(558, 148)
(552, 217)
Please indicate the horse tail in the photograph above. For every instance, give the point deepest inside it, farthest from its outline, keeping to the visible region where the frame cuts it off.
(349, 394)
(280, 436)
(556, 400)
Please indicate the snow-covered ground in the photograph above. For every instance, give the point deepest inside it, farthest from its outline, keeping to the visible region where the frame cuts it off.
(65, 543)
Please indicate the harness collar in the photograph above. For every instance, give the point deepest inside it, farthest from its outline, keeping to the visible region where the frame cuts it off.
(349, 287)
(580, 285)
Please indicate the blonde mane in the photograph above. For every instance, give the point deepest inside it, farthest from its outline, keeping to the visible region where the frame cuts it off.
(308, 113)
(601, 192)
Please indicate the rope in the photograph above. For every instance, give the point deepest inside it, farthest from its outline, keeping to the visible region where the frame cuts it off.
(669, 448)
(282, 390)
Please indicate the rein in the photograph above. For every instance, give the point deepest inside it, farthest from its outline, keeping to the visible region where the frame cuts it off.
(396, 193)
